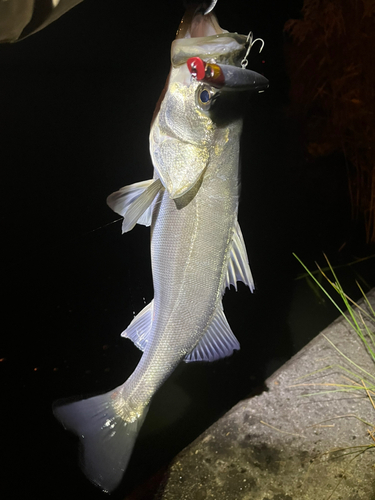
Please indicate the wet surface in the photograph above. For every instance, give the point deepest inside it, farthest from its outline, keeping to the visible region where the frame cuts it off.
(76, 102)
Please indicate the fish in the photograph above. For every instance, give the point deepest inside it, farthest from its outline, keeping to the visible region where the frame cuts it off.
(197, 248)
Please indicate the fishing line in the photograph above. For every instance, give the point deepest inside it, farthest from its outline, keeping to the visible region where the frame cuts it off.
(100, 227)
(41, 248)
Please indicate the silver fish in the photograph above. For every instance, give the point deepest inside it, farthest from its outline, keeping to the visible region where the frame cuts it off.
(197, 248)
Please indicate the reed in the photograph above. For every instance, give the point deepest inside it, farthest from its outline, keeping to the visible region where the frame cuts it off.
(355, 378)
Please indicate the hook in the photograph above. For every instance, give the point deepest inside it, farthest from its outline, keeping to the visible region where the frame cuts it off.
(205, 7)
(251, 42)
(210, 7)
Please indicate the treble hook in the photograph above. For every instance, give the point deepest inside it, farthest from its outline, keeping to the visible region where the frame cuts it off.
(251, 42)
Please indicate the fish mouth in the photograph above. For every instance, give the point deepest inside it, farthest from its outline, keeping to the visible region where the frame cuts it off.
(201, 36)
(200, 41)
(198, 21)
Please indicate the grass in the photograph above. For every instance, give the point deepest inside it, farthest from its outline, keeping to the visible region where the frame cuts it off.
(355, 378)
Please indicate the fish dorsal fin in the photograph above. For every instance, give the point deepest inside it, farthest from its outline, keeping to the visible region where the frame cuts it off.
(134, 203)
(238, 263)
(218, 341)
(140, 327)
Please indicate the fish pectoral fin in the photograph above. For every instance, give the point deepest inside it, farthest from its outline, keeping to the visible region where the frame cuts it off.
(134, 203)
(238, 263)
(140, 327)
(218, 341)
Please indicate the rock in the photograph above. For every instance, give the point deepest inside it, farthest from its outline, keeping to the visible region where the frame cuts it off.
(280, 445)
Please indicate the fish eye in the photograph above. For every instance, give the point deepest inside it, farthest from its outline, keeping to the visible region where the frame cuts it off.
(205, 97)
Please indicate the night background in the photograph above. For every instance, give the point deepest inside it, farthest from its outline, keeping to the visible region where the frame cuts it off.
(76, 101)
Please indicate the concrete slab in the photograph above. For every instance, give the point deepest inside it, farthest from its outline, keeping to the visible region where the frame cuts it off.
(281, 444)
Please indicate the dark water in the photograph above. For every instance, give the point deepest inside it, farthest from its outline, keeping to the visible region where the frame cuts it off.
(76, 101)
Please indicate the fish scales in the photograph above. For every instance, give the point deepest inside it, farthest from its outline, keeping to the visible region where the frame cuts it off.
(189, 251)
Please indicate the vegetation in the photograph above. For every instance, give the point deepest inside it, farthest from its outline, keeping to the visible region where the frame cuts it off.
(354, 377)
(331, 62)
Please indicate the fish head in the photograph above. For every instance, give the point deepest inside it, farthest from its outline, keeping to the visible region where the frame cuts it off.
(184, 131)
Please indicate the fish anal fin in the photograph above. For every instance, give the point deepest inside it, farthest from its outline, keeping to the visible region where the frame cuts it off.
(218, 341)
(238, 263)
(134, 202)
(140, 327)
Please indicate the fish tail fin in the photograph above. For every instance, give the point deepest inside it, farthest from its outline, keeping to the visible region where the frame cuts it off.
(107, 439)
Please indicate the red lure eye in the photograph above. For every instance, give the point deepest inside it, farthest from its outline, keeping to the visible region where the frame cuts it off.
(196, 67)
